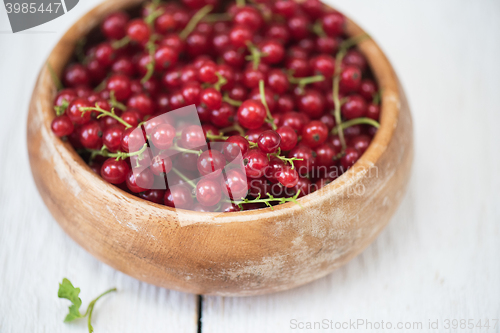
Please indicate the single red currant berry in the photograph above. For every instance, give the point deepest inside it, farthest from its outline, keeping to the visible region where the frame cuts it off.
(105, 54)
(113, 171)
(269, 141)
(138, 30)
(131, 117)
(197, 43)
(277, 80)
(207, 72)
(305, 187)
(234, 184)
(165, 57)
(354, 58)
(327, 45)
(360, 143)
(373, 111)
(314, 133)
(193, 137)
(251, 114)
(76, 75)
(67, 95)
(249, 17)
(234, 146)
(62, 126)
(163, 136)
(288, 138)
(210, 163)
(295, 120)
(208, 192)
(288, 177)
(165, 23)
(287, 8)
(179, 196)
(314, 8)
(161, 164)
(155, 196)
(234, 56)
(278, 31)
(91, 135)
(211, 98)
(323, 64)
(350, 79)
(333, 23)
(312, 103)
(350, 157)
(191, 93)
(306, 158)
(140, 181)
(132, 139)
(299, 26)
(120, 85)
(299, 67)
(112, 137)
(325, 155)
(354, 107)
(367, 89)
(142, 103)
(256, 163)
(224, 116)
(273, 51)
(114, 25)
(74, 111)
(240, 35)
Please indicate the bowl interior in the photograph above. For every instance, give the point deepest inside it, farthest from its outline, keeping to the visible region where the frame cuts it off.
(380, 67)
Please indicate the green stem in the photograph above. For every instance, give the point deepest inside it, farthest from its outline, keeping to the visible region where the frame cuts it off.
(117, 44)
(151, 47)
(184, 178)
(344, 46)
(80, 54)
(317, 28)
(269, 199)
(62, 108)
(217, 17)
(240, 3)
(54, 77)
(255, 55)
(222, 81)
(348, 43)
(356, 121)
(235, 127)
(270, 118)
(377, 97)
(103, 112)
(90, 309)
(114, 102)
(184, 150)
(231, 101)
(303, 81)
(194, 21)
(118, 155)
(210, 136)
(285, 159)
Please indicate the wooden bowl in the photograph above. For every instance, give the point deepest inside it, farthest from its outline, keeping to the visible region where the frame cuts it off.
(244, 253)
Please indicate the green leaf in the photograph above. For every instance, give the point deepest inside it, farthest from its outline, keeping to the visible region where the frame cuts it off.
(69, 292)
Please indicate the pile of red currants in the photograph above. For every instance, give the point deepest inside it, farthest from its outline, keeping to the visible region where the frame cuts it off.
(275, 82)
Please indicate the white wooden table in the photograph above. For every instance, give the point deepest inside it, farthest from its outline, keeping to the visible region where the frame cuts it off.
(438, 259)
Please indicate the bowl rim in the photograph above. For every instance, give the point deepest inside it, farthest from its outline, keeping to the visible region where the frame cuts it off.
(382, 71)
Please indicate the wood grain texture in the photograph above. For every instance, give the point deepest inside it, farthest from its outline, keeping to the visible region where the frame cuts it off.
(439, 256)
(35, 253)
(244, 253)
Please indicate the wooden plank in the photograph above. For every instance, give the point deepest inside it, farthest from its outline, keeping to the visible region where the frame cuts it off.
(35, 254)
(438, 258)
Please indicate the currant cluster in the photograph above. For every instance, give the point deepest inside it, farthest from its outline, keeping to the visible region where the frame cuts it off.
(273, 80)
